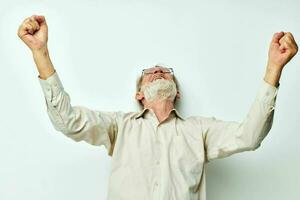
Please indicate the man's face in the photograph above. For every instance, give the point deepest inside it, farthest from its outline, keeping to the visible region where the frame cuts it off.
(161, 88)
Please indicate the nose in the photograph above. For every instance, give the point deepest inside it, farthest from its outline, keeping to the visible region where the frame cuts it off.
(158, 70)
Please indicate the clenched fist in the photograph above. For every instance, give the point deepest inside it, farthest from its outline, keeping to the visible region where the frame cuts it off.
(282, 49)
(34, 32)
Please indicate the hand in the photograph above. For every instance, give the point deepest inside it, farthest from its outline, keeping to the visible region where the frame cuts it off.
(34, 32)
(282, 49)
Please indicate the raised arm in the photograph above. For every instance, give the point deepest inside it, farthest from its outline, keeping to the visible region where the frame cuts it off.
(34, 33)
(77, 122)
(224, 138)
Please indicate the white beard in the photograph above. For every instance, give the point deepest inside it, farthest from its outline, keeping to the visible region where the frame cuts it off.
(159, 89)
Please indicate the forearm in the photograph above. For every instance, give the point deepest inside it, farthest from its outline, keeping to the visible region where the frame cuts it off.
(43, 62)
(272, 75)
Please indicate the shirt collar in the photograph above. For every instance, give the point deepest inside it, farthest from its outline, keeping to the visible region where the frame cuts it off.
(141, 113)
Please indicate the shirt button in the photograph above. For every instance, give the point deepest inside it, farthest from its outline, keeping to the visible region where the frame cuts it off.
(156, 184)
(157, 162)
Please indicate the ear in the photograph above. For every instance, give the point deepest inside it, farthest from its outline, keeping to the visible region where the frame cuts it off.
(139, 96)
(178, 95)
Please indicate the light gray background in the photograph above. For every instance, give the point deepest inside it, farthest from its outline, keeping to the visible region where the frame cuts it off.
(219, 53)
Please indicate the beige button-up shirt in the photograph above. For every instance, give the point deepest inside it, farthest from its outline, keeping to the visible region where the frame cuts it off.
(159, 161)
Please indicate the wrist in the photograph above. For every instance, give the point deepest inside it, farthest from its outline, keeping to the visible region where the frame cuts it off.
(272, 76)
(42, 52)
(273, 71)
(274, 68)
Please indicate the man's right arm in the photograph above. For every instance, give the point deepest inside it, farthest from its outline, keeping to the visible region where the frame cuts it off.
(77, 122)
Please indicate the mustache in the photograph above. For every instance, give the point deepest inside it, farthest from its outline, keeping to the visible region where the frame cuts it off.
(155, 76)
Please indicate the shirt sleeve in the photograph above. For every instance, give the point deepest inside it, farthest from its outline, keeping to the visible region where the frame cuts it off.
(78, 122)
(224, 138)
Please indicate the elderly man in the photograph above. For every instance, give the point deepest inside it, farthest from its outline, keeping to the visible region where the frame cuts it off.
(156, 153)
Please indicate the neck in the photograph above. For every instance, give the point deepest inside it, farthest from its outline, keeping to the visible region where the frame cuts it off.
(161, 108)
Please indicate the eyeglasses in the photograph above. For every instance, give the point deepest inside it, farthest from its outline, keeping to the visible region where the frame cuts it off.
(154, 70)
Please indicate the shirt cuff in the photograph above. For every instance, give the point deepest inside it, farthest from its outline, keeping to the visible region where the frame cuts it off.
(51, 86)
(267, 92)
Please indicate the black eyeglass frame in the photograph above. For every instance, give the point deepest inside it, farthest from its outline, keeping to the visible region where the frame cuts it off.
(169, 68)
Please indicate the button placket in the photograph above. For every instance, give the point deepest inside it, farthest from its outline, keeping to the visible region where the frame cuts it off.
(157, 170)
(156, 190)
(158, 147)
(157, 154)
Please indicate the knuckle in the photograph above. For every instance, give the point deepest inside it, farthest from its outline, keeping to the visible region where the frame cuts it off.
(26, 22)
(24, 26)
(36, 24)
(32, 19)
(31, 23)
(28, 25)
(289, 39)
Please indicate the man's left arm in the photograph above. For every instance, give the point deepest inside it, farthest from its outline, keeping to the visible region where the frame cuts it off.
(224, 138)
